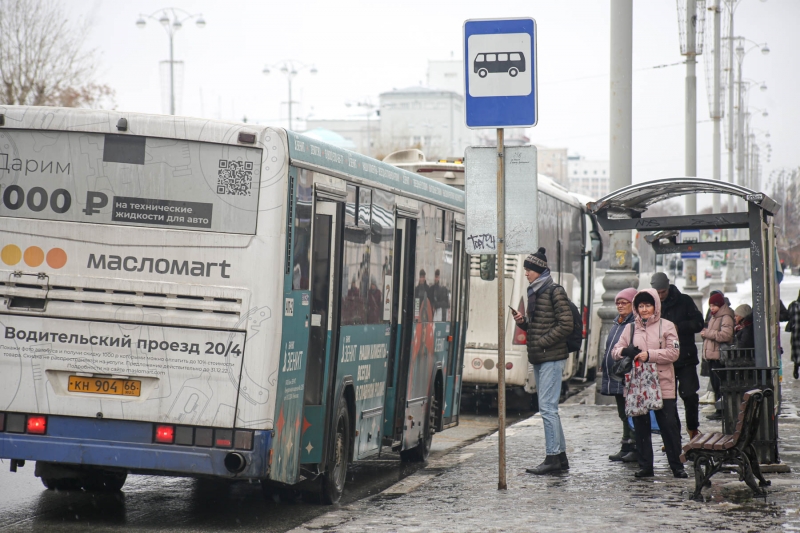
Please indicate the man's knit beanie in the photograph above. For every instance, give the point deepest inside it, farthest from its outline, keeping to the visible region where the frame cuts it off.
(537, 261)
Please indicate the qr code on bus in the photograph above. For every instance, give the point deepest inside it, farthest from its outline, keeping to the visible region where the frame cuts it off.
(235, 177)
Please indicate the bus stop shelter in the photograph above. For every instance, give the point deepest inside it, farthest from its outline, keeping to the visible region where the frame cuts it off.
(626, 209)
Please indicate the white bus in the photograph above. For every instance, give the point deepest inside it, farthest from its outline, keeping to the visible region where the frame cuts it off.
(572, 240)
(199, 298)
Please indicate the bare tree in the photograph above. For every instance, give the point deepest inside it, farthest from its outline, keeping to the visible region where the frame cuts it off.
(43, 60)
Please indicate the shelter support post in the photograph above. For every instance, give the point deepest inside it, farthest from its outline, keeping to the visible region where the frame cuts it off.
(761, 300)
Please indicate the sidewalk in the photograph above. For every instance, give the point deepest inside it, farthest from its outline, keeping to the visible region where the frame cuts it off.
(458, 492)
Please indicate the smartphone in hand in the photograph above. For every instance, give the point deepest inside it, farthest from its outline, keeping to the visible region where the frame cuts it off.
(513, 311)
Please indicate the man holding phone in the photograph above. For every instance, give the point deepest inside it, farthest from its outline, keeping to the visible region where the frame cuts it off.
(548, 322)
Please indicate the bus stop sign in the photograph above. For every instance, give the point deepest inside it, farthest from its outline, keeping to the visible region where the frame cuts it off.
(500, 73)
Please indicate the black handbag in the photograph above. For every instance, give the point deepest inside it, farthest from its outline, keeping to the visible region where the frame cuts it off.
(620, 367)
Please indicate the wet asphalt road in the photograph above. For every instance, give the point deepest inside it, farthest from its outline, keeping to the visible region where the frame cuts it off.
(181, 504)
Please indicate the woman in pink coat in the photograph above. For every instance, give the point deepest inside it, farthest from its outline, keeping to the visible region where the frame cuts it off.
(655, 340)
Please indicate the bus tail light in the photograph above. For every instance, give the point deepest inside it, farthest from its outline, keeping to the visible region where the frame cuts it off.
(165, 434)
(509, 366)
(520, 336)
(37, 425)
(585, 319)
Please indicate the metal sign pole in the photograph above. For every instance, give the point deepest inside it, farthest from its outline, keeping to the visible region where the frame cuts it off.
(501, 312)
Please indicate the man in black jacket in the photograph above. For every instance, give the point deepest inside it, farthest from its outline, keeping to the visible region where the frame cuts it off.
(680, 309)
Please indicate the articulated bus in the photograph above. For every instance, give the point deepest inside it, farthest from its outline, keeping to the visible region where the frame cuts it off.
(572, 240)
(188, 297)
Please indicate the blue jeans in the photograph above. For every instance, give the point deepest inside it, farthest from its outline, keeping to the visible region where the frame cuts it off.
(548, 386)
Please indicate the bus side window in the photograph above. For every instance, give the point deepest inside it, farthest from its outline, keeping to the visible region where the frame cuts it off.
(502, 57)
(515, 57)
(350, 206)
(302, 231)
(491, 57)
(364, 204)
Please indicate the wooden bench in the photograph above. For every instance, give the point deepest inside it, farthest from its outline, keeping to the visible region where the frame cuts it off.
(710, 451)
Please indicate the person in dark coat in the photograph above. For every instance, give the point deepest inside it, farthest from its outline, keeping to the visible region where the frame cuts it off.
(793, 326)
(743, 332)
(610, 387)
(680, 309)
(548, 322)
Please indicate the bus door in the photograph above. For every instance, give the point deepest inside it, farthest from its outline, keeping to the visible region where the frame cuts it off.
(452, 392)
(323, 328)
(399, 356)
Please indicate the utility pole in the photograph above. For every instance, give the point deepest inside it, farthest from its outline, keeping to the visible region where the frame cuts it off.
(620, 274)
(690, 265)
(730, 279)
(716, 117)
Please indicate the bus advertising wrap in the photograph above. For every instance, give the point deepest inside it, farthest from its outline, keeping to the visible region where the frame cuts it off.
(129, 180)
(124, 371)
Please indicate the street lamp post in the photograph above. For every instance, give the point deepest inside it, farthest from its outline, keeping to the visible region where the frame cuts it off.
(172, 19)
(290, 69)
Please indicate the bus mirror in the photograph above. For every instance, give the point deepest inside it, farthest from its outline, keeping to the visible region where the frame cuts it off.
(488, 267)
(597, 245)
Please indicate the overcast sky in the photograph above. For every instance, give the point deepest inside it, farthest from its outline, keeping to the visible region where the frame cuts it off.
(363, 48)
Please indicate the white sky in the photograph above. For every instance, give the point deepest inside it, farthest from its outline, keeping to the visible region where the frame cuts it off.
(364, 47)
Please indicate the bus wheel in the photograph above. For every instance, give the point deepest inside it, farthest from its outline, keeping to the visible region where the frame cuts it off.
(61, 483)
(336, 473)
(420, 452)
(100, 481)
(483, 72)
(513, 72)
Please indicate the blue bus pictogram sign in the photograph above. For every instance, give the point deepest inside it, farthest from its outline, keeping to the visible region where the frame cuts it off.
(500, 73)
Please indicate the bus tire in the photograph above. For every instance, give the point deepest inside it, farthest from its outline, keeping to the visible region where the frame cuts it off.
(336, 472)
(100, 481)
(513, 72)
(420, 452)
(483, 72)
(61, 483)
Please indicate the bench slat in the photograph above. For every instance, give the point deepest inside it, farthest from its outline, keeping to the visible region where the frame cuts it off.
(716, 437)
(698, 443)
(720, 444)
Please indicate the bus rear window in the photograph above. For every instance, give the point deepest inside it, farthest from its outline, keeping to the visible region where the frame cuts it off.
(146, 181)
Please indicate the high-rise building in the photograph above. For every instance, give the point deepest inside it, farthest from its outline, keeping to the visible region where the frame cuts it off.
(588, 176)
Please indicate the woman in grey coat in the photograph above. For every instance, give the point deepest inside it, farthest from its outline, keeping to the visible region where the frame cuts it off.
(610, 387)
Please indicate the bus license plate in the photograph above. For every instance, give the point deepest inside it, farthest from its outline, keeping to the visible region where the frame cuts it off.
(120, 387)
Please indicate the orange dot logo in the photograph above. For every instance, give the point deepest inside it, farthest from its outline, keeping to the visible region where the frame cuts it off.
(56, 258)
(33, 256)
(11, 254)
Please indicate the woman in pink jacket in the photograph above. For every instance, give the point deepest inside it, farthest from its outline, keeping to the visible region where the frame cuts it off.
(655, 340)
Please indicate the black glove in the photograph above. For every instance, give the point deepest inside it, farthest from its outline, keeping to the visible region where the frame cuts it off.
(630, 351)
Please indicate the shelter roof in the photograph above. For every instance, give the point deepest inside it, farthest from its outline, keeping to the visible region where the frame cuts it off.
(636, 199)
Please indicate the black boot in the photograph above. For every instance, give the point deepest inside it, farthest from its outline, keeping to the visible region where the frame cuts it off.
(632, 456)
(796, 371)
(562, 458)
(551, 464)
(627, 447)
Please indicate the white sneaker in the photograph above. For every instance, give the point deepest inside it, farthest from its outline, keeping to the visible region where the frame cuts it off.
(708, 409)
(707, 398)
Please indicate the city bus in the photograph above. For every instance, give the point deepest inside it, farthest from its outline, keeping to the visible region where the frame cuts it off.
(188, 297)
(572, 240)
